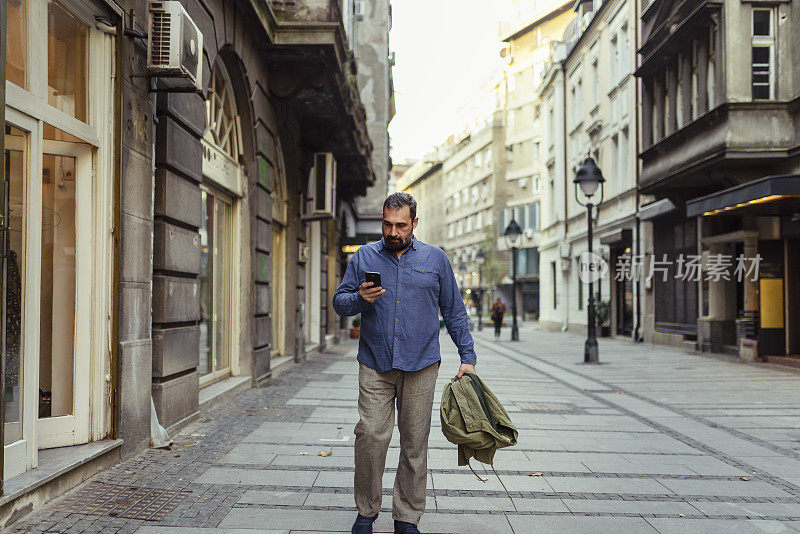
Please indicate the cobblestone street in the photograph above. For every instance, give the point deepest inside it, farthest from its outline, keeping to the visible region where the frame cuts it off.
(652, 440)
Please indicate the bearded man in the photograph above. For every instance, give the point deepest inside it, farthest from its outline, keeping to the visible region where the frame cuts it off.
(398, 355)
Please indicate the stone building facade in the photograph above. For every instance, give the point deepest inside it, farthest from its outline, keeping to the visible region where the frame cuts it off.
(526, 51)
(423, 181)
(459, 189)
(473, 171)
(192, 233)
(719, 155)
(589, 98)
(375, 62)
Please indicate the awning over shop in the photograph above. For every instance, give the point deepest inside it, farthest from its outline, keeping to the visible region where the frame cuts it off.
(620, 235)
(771, 195)
(656, 209)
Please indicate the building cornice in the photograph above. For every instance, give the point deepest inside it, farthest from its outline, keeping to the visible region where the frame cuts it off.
(535, 22)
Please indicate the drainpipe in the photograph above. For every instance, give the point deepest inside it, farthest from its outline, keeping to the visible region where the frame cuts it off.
(565, 322)
(118, 112)
(637, 335)
(3, 6)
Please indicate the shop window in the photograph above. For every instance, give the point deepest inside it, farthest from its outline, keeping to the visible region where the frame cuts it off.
(15, 169)
(215, 287)
(675, 297)
(17, 43)
(67, 57)
(58, 245)
(57, 301)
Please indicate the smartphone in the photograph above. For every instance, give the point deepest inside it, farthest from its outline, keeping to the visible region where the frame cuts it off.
(375, 278)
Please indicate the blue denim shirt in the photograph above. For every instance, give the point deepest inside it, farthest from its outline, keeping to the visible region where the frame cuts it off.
(400, 330)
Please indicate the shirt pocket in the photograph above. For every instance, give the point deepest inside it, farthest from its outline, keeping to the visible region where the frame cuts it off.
(424, 277)
(472, 419)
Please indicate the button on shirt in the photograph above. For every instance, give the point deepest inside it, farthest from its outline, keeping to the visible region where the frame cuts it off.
(400, 330)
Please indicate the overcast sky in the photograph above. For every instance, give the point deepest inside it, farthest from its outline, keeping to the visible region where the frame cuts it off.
(446, 49)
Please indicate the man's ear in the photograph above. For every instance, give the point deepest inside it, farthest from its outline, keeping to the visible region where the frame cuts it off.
(414, 223)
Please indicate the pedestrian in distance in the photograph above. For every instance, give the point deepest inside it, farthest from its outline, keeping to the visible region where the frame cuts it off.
(398, 355)
(498, 310)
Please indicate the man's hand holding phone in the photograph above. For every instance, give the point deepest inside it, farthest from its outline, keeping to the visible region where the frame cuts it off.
(370, 293)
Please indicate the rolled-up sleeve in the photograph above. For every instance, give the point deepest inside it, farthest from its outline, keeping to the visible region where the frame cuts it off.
(455, 314)
(347, 300)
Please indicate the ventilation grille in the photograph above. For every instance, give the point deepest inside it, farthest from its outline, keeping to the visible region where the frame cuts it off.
(160, 52)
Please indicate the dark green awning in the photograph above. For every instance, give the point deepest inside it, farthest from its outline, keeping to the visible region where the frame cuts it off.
(771, 195)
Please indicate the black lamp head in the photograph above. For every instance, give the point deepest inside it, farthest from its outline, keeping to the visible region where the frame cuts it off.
(512, 230)
(589, 177)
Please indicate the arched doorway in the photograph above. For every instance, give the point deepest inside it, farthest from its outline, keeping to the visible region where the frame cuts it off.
(220, 231)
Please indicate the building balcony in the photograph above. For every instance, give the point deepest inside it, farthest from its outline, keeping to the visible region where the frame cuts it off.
(719, 149)
(312, 74)
(305, 11)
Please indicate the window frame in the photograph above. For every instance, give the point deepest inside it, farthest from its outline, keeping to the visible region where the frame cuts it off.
(96, 141)
(764, 41)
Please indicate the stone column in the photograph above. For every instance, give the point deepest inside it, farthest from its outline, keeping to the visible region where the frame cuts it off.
(647, 112)
(750, 285)
(748, 348)
(702, 74)
(672, 86)
(716, 290)
(685, 70)
(176, 256)
(658, 107)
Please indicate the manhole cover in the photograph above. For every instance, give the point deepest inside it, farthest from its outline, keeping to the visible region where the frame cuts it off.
(122, 501)
(547, 407)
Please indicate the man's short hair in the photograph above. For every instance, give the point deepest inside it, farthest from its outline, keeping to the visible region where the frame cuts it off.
(395, 201)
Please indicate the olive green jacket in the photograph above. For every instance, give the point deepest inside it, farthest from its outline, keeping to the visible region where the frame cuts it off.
(474, 419)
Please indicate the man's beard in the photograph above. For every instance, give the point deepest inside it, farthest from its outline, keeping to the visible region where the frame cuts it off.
(399, 244)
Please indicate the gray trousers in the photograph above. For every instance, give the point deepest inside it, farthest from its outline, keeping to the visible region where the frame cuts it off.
(377, 394)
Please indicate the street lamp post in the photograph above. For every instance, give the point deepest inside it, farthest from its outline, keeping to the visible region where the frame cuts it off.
(588, 178)
(511, 235)
(480, 257)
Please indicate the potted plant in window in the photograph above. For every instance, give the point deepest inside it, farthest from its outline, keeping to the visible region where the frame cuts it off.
(355, 328)
(602, 309)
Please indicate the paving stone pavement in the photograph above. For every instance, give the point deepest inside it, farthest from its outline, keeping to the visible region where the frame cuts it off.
(651, 440)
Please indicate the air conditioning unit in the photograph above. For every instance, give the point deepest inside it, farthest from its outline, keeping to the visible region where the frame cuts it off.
(323, 186)
(174, 46)
(359, 9)
(523, 183)
(563, 250)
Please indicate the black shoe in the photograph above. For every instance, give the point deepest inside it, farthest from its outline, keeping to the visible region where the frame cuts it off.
(401, 527)
(363, 525)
